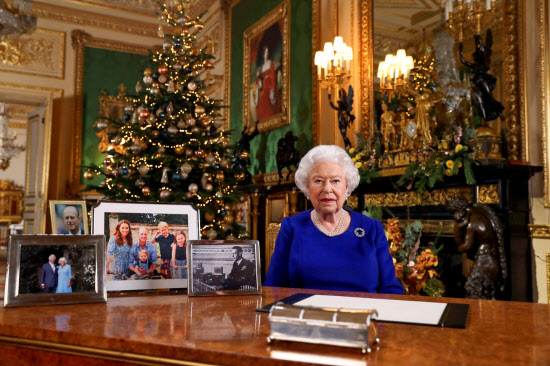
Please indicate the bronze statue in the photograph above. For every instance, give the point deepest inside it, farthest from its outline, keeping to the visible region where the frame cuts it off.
(389, 127)
(287, 155)
(483, 83)
(345, 106)
(478, 232)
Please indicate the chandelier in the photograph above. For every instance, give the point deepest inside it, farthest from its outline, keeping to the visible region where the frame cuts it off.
(16, 18)
(466, 15)
(393, 73)
(8, 149)
(334, 64)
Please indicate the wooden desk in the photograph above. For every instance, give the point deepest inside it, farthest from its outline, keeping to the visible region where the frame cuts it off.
(173, 329)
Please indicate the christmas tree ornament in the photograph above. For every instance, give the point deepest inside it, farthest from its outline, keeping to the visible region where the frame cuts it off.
(230, 237)
(218, 194)
(179, 86)
(115, 173)
(172, 130)
(143, 169)
(199, 110)
(166, 46)
(155, 76)
(155, 133)
(146, 191)
(165, 193)
(164, 135)
(188, 195)
(189, 153)
(169, 109)
(140, 183)
(108, 161)
(138, 87)
(205, 122)
(162, 79)
(192, 85)
(208, 64)
(196, 130)
(124, 171)
(176, 176)
(240, 176)
(165, 179)
(120, 185)
(136, 147)
(144, 114)
(193, 188)
(127, 117)
(208, 187)
(117, 140)
(228, 219)
(135, 117)
(163, 69)
(184, 176)
(210, 159)
(170, 88)
(191, 121)
(181, 124)
(224, 163)
(152, 119)
(160, 32)
(199, 153)
(202, 93)
(216, 166)
(185, 31)
(211, 234)
(209, 216)
(89, 175)
(223, 213)
(220, 176)
(181, 21)
(177, 67)
(177, 44)
(217, 123)
(186, 168)
(199, 26)
(101, 124)
(161, 150)
(148, 71)
(148, 80)
(225, 226)
(243, 155)
(179, 150)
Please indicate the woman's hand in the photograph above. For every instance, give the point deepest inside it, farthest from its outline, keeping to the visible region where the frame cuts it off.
(69, 284)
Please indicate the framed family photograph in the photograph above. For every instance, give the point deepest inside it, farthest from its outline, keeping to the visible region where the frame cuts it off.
(69, 217)
(224, 267)
(146, 243)
(55, 269)
(266, 63)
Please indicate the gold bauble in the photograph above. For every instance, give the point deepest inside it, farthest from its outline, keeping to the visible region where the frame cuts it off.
(211, 234)
(146, 191)
(199, 110)
(89, 175)
(209, 216)
(220, 176)
(228, 219)
(243, 155)
(179, 150)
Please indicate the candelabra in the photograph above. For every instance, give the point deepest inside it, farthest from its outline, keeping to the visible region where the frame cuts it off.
(8, 149)
(334, 64)
(467, 14)
(393, 73)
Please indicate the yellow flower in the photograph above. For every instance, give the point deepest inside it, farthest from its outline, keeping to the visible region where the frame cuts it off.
(437, 161)
(459, 164)
(358, 165)
(458, 148)
(445, 145)
(448, 172)
(353, 159)
(352, 150)
(358, 157)
(450, 164)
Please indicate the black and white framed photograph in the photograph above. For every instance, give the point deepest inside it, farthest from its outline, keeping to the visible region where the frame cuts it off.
(146, 243)
(69, 217)
(55, 269)
(224, 267)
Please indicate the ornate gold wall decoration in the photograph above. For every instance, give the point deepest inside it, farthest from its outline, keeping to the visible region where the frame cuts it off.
(539, 231)
(200, 7)
(315, 31)
(272, 179)
(366, 67)
(548, 277)
(436, 197)
(488, 194)
(146, 7)
(353, 202)
(544, 41)
(81, 40)
(210, 38)
(81, 17)
(227, 6)
(41, 53)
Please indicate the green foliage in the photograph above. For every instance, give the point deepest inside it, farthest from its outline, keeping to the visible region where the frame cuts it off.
(374, 212)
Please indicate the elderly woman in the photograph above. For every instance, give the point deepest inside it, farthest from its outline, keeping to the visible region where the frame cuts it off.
(328, 247)
(64, 276)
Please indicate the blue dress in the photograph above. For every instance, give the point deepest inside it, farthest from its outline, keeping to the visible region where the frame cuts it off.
(304, 257)
(122, 257)
(64, 274)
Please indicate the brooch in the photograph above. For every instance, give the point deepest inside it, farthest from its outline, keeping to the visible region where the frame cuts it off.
(359, 232)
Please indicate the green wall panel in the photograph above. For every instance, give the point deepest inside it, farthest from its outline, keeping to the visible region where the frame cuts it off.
(264, 147)
(104, 69)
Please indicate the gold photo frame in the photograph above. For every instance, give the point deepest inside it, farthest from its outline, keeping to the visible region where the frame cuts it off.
(276, 208)
(64, 220)
(266, 71)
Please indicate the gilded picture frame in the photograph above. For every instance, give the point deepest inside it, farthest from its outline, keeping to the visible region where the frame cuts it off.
(31, 258)
(266, 71)
(224, 267)
(69, 217)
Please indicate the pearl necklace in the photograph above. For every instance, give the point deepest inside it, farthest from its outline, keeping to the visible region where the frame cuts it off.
(325, 231)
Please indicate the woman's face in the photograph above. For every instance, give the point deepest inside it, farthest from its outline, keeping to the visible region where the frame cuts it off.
(266, 53)
(62, 263)
(327, 187)
(181, 240)
(124, 229)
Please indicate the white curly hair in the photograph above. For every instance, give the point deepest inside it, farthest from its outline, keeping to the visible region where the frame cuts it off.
(327, 154)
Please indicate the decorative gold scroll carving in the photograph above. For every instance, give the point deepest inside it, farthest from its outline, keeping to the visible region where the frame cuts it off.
(272, 179)
(144, 7)
(227, 6)
(103, 21)
(315, 32)
(401, 199)
(366, 74)
(544, 47)
(548, 278)
(199, 7)
(81, 40)
(488, 194)
(539, 231)
(353, 202)
(41, 53)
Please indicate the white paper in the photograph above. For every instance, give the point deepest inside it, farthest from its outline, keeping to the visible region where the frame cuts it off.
(400, 311)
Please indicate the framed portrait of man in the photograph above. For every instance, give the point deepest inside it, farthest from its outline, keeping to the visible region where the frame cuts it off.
(266, 71)
(69, 217)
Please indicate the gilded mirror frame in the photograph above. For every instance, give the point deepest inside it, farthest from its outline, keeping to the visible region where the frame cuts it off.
(516, 134)
(544, 39)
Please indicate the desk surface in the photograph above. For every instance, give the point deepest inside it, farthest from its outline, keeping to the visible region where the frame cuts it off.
(226, 330)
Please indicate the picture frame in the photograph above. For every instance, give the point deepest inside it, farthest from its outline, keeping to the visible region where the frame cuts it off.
(31, 281)
(64, 221)
(266, 71)
(160, 267)
(276, 208)
(219, 267)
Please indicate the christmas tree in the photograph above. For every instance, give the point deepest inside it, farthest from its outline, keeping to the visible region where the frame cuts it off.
(170, 145)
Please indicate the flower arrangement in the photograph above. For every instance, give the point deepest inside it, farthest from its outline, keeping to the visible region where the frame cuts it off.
(416, 272)
(365, 158)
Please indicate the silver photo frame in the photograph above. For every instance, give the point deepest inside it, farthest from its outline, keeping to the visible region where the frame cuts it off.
(161, 273)
(224, 267)
(32, 280)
